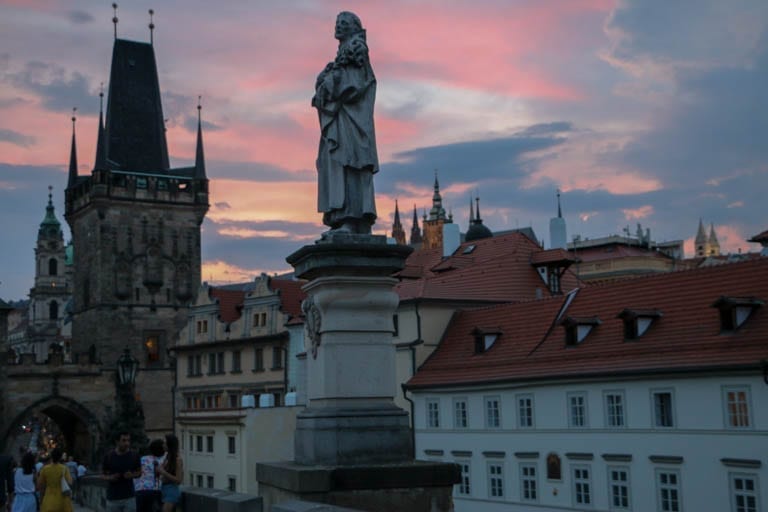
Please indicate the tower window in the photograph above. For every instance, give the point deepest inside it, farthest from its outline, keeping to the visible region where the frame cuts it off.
(53, 310)
(53, 267)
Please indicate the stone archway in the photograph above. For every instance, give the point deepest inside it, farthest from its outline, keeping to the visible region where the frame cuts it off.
(81, 429)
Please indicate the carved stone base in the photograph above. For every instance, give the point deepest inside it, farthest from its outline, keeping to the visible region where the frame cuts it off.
(333, 436)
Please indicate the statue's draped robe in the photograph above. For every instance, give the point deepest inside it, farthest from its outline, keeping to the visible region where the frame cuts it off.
(347, 159)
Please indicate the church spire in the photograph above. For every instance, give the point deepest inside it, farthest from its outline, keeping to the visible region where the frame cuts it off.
(471, 212)
(50, 226)
(477, 231)
(397, 228)
(714, 244)
(415, 231)
(73, 154)
(437, 211)
(559, 210)
(199, 157)
(101, 150)
(478, 220)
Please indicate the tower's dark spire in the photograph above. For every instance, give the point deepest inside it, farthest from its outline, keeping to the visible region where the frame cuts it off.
(397, 215)
(437, 211)
(397, 228)
(50, 226)
(135, 127)
(415, 231)
(73, 154)
(151, 28)
(477, 210)
(559, 210)
(101, 142)
(199, 157)
(477, 230)
(471, 212)
(114, 18)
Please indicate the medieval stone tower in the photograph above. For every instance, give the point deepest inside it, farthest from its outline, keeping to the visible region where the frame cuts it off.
(135, 226)
(433, 225)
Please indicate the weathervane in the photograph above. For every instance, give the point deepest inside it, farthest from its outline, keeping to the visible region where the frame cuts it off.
(74, 117)
(114, 18)
(151, 28)
(199, 108)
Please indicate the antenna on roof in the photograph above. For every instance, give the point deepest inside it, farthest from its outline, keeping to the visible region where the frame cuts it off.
(74, 117)
(114, 18)
(199, 108)
(151, 28)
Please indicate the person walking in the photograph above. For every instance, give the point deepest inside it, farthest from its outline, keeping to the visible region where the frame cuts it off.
(6, 481)
(147, 486)
(24, 485)
(171, 473)
(49, 485)
(119, 468)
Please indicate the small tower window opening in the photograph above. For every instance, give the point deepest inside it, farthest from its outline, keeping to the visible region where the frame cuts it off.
(152, 346)
(53, 267)
(53, 310)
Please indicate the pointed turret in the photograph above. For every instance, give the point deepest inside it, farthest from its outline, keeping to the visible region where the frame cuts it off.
(199, 157)
(477, 230)
(701, 242)
(557, 231)
(50, 227)
(415, 230)
(397, 228)
(714, 244)
(437, 211)
(135, 127)
(73, 155)
(100, 163)
(471, 213)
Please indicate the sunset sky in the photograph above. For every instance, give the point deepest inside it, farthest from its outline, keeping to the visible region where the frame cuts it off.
(640, 111)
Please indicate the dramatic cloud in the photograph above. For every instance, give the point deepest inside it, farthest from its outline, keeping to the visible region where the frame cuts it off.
(16, 138)
(79, 17)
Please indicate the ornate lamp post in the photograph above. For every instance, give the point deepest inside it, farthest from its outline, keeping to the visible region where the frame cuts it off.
(127, 367)
(130, 414)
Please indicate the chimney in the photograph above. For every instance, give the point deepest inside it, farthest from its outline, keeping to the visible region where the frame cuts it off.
(451, 239)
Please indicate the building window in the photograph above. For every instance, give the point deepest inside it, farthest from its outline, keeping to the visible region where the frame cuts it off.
(235, 361)
(433, 413)
(232, 484)
(554, 467)
(202, 326)
(231, 445)
(577, 410)
(234, 400)
(210, 481)
(662, 409)
(492, 412)
(618, 488)
(53, 267)
(220, 363)
(53, 310)
(191, 443)
(199, 480)
(525, 411)
(614, 409)
(460, 419)
(744, 492)
(582, 485)
(277, 358)
(152, 347)
(465, 485)
(668, 490)
(528, 482)
(199, 444)
(258, 360)
(198, 365)
(736, 407)
(495, 480)
(263, 320)
(209, 444)
(211, 364)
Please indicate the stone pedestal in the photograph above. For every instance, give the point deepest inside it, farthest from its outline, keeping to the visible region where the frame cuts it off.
(352, 443)
(351, 417)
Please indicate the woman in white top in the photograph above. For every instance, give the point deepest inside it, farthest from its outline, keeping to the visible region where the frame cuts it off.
(24, 485)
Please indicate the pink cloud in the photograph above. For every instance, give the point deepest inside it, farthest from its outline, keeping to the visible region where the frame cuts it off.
(638, 213)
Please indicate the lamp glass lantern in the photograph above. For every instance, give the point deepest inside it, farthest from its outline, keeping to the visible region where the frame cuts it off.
(127, 366)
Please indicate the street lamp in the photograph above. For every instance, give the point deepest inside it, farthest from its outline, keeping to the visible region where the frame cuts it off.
(127, 366)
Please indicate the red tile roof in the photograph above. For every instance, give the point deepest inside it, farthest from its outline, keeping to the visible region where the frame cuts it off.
(497, 269)
(686, 338)
(230, 303)
(291, 296)
(551, 256)
(615, 251)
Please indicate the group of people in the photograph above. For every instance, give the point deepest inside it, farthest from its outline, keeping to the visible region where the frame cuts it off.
(134, 484)
(143, 484)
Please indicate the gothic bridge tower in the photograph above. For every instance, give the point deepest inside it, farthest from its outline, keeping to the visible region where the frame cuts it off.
(135, 226)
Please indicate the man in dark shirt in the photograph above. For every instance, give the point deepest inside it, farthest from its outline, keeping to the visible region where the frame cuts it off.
(120, 467)
(6, 481)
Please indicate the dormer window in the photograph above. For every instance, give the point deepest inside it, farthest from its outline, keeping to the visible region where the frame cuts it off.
(485, 338)
(638, 321)
(734, 311)
(576, 329)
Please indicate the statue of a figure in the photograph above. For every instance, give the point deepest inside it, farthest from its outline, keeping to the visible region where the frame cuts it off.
(347, 160)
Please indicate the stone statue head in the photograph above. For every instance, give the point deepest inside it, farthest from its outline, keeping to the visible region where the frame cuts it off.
(347, 23)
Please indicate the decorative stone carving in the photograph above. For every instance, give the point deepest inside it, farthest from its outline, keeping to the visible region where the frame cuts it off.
(347, 159)
(312, 324)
